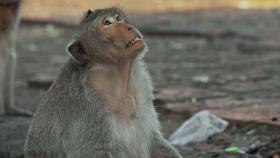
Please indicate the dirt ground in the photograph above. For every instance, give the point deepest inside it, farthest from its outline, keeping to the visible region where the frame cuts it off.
(238, 50)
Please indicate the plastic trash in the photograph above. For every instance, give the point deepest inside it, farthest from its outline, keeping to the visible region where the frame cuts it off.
(198, 128)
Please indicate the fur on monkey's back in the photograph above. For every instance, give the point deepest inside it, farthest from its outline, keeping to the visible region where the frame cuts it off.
(66, 118)
(64, 113)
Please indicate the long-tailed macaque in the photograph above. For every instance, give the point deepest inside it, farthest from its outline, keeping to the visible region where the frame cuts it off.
(9, 20)
(101, 104)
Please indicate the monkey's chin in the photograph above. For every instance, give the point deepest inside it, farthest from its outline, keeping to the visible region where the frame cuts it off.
(137, 47)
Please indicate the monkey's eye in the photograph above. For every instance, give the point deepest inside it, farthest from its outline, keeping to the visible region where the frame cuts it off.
(118, 18)
(107, 22)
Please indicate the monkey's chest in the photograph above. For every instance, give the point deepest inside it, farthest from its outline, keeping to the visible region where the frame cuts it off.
(124, 109)
(132, 139)
(119, 101)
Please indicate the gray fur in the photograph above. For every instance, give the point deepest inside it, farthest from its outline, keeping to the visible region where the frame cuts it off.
(72, 121)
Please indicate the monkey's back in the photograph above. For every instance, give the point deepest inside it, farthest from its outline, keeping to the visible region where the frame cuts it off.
(64, 117)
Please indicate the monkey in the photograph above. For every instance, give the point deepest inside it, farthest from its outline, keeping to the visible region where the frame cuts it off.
(9, 21)
(101, 103)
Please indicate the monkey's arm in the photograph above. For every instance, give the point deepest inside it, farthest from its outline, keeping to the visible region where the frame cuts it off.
(162, 149)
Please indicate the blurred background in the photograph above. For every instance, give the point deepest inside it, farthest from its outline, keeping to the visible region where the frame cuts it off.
(73, 9)
(216, 55)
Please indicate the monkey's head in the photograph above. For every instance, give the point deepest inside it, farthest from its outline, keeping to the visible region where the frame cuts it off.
(104, 35)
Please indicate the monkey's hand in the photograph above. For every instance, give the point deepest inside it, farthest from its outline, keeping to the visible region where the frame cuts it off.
(162, 149)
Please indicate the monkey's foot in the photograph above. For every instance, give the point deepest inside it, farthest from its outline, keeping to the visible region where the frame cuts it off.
(18, 111)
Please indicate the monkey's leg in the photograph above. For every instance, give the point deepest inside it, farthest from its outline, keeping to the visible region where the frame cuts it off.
(7, 71)
(8, 88)
(9, 22)
(2, 70)
(162, 149)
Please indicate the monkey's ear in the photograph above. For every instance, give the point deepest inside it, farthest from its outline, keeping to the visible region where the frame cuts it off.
(88, 12)
(77, 51)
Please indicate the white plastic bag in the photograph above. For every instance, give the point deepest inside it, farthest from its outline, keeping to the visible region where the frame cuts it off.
(198, 128)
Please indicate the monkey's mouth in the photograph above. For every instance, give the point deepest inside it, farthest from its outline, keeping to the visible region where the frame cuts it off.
(133, 41)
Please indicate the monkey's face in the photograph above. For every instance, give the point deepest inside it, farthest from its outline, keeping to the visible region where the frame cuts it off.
(125, 38)
(106, 36)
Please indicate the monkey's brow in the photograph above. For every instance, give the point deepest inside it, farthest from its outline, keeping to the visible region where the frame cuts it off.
(97, 15)
(110, 15)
